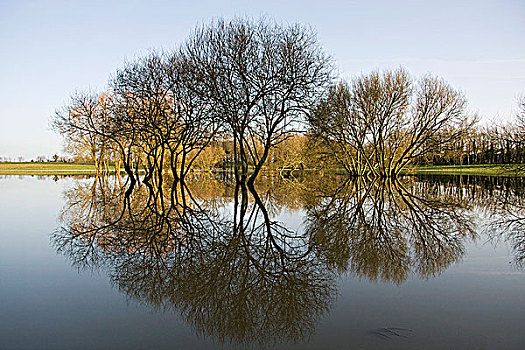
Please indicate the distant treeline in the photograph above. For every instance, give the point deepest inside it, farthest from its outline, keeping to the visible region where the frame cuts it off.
(485, 145)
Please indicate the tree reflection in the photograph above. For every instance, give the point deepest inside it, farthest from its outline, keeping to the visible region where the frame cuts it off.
(385, 229)
(238, 276)
(499, 200)
(214, 251)
(507, 217)
(511, 227)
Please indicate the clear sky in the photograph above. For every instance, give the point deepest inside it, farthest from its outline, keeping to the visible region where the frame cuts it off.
(49, 49)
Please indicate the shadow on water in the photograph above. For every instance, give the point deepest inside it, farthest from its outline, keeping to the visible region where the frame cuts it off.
(218, 253)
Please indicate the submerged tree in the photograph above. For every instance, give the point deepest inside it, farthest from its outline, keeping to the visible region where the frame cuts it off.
(262, 78)
(379, 123)
(148, 116)
(172, 124)
(253, 82)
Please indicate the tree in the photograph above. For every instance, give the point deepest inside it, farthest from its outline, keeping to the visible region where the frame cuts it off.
(147, 115)
(520, 137)
(169, 123)
(291, 154)
(209, 157)
(380, 123)
(261, 78)
(252, 82)
(78, 123)
(514, 135)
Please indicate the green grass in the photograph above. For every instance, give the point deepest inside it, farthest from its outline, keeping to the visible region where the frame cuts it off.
(52, 168)
(478, 169)
(45, 168)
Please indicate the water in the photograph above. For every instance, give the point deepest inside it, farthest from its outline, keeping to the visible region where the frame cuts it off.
(306, 263)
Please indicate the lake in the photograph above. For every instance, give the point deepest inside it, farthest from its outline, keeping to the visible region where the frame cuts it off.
(305, 262)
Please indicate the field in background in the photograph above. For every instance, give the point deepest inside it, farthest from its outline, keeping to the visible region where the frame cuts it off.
(481, 169)
(52, 168)
(45, 168)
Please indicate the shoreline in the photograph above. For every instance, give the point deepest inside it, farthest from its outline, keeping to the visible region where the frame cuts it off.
(51, 168)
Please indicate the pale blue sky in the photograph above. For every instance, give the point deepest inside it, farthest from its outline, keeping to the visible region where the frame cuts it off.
(49, 49)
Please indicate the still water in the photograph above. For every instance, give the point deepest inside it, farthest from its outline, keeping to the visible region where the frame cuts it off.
(312, 262)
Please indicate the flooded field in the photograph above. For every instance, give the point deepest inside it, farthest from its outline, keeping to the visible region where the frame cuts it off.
(305, 262)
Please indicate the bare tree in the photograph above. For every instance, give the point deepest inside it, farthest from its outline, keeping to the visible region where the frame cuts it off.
(512, 137)
(379, 123)
(148, 116)
(142, 109)
(262, 78)
(82, 123)
(249, 81)
(90, 122)
(209, 157)
(172, 125)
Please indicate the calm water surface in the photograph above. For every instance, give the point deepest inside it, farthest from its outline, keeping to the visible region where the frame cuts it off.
(305, 263)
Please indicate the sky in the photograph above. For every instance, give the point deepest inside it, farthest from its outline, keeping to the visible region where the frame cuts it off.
(50, 49)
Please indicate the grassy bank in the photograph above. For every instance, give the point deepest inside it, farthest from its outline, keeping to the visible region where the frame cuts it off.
(45, 168)
(52, 168)
(478, 169)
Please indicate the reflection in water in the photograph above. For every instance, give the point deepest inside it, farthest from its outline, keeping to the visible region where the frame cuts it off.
(510, 225)
(501, 200)
(382, 230)
(507, 212)
(217, 252)
(238, 276)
